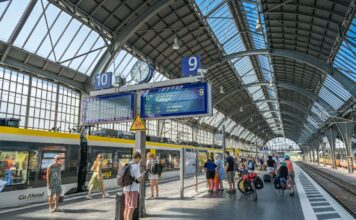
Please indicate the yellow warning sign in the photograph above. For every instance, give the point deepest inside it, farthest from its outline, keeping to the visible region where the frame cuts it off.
(138, 124)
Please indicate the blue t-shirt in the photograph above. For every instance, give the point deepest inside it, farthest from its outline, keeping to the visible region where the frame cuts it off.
(230, 163)
(210, 166)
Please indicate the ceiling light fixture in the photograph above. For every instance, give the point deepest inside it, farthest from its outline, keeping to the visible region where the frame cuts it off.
(222, 90)
(258, 25)
(270, 83)
(241, 109)
(175, 45)
(251, 120)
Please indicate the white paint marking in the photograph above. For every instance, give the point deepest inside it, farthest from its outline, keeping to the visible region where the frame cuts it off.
(338, 208)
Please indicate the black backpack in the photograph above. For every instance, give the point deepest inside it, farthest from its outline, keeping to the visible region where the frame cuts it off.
(154, 167)
(124, 177)
(258, 183)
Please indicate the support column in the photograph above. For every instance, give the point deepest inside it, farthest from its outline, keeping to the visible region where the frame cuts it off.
(195, 134)
(181, 172)
(323, 150)
(223, 141)
(331, 136)
(313, 154)
(140, 146)
(346, 129)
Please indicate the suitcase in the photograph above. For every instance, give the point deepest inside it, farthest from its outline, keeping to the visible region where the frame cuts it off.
(266, 178)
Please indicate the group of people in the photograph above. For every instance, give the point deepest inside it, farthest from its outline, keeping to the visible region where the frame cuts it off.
(217, 171)
(153, 167)
(281, 168)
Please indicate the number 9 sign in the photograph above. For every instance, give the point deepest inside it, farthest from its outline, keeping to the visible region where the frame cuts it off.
(190, 65)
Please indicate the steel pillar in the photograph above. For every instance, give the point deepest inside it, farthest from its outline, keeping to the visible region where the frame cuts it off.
(346, 129)
(331, 136)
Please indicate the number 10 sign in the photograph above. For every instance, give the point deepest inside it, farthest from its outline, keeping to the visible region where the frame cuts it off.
(103, 80)
(190, 65)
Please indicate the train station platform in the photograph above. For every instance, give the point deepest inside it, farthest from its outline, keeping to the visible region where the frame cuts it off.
(311, 202)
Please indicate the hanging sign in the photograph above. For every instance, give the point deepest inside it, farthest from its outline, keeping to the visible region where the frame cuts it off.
(103, 80)
(190, 66)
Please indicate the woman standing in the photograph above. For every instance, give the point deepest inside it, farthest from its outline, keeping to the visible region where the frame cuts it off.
(210, 167)
(96, 181)
(54, 183)
(221, 171)
(153, 168)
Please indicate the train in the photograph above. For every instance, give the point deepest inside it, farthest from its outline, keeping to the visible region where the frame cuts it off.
(341, 159)
(25, 155)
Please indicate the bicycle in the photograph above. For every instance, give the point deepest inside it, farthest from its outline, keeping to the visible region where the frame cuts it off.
(246, 184)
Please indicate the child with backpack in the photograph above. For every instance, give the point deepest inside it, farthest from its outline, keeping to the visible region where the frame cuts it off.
(154, 171)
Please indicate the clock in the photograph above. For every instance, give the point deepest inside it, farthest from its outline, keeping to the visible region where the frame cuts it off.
(141, 72)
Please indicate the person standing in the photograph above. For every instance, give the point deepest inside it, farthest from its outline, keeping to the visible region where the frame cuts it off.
(291, 174)
(210, 173)
(220, 172)
(96, 182)
(271, 166)
(230, 174)
(54, 183)
(153, 168)
(131, 191)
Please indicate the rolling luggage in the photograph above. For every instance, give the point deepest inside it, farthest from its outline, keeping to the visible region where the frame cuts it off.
(266, 178)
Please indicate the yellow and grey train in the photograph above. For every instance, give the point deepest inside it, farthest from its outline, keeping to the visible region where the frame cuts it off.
(25, 154)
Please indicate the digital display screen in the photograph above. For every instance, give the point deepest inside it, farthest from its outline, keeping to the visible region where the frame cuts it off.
(108, 108)
(187, 100)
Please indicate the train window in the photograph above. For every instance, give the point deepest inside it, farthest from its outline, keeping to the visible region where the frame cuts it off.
(107, 160)
(13, 167)
(48, 159)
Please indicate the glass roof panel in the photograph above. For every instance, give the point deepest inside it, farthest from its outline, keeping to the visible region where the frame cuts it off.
(55, 35)
(10, 15)
(345, 59)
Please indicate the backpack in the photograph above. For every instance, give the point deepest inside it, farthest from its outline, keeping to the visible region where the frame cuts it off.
(277, 183)
(124, 177)
(247, 186)
(258, 183)
(154, 167)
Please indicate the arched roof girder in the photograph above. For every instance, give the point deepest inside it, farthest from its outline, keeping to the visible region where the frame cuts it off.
(125, 33)
(298, 56)
(284, 85)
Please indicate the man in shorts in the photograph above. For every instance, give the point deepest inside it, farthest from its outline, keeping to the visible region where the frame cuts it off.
(230, 174)
(131, 191)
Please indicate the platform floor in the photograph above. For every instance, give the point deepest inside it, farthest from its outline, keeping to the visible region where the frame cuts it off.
(310, 202)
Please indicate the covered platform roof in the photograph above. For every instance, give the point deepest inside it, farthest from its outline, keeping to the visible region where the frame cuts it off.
(287, 78)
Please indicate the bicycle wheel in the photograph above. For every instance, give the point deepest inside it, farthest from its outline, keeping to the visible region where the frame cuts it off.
(240, 186)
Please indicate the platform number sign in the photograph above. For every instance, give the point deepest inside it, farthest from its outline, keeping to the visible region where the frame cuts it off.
(190, 65)
(103, 80)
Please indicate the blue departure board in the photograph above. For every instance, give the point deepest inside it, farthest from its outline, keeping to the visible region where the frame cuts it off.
(187, 100)
(108, 108)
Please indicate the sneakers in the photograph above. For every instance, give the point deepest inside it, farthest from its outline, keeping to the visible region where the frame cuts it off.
(89, 197)
(105, 195)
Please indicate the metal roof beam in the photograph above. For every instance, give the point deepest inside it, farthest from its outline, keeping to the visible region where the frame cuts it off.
(125, 33)
(301, 57)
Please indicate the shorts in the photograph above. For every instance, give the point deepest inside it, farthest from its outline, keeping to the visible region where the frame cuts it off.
(131, 199)
(153, 176)
(230, 177)
(210, 174)
(270, 169)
